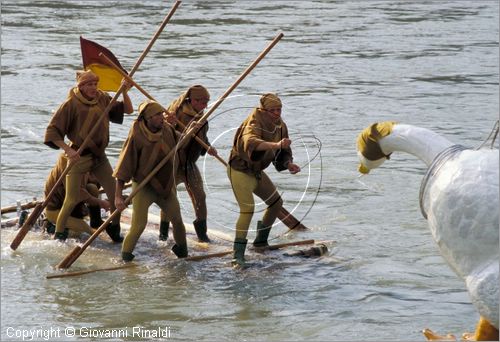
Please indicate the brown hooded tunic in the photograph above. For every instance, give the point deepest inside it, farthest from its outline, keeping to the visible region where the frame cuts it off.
(257, 128)
(76, 117)
(185, 113)
(142, 151)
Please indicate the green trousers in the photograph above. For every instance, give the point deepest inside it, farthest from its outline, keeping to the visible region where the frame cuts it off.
(140, 206)
(244, 186)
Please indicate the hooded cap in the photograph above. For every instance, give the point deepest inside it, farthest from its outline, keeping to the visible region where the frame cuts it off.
(83, 77)
(149, 108)
(198, 92)
(269, 101)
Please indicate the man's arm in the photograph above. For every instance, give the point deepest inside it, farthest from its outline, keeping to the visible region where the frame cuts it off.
(119, 201)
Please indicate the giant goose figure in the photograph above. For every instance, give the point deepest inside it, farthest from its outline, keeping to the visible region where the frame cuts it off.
(459, 196)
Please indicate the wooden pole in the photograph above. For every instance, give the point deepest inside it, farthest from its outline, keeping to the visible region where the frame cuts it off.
(207, 256)
(286, 217)
(270, 247)
(77, 251)
(72, 274)
(32, 204)
(12, 208)
(30, 221)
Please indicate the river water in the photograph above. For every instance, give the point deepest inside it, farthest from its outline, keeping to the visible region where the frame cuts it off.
(340, 67)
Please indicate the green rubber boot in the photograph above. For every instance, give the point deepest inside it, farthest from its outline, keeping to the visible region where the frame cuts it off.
(95, 216)
(180, 251)
(239, 252)
(113, 231)
(200, 226)
(61, 236)
(163, 231)
(127, 256)
(262, 235)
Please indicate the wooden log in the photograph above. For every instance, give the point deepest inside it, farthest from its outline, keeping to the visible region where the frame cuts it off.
(260, 249)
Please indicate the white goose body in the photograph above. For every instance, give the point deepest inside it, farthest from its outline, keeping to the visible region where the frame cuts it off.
(460, 198)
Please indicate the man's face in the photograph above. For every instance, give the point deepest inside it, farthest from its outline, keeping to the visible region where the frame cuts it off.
(275, 113)
(89, 90)
(199, 104)
(155, 123)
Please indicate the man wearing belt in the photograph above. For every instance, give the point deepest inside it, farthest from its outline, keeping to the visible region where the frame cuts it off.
(75, 118)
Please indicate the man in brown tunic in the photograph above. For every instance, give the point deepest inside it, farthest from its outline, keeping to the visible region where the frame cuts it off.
(148, 143)
(74, 119)
(187, 108)
(261, 139)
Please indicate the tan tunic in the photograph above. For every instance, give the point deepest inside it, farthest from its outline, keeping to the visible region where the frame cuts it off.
(185, 113)
(256, 129)
(77, 116)
(143, 151)
(56, 201)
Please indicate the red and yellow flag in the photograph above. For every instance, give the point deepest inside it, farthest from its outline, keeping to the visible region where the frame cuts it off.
(109, 78)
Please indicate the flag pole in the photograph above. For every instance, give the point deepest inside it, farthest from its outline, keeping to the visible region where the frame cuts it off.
(30, 221)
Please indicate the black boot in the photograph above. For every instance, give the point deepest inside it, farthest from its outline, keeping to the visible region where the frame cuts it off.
(200, 226)
(180, 251)
(49, 227)
(22, 218)
(61, 236)
(95, 216)
(127, 256)
(239, 252)
(113, 231)
(164, 230)
(262, 235)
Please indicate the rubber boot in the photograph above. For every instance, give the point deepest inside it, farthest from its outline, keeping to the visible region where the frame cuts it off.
(49, 227)
(113, 231)
(262, 235)
(95, 216)
(164, 230)
(200, 226)
(127, 256)
(22, 218)
(61, 236)
(180, 251)
(239, 252)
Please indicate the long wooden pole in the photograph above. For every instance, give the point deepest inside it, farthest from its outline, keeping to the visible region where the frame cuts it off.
(77, 273)
(30, 221)
(77, 251)
(270, 247)
(32, 204)
(286, 217)
(12, 208)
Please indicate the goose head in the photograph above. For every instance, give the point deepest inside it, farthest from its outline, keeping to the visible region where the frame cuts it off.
(378, 141)
(370, 153)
